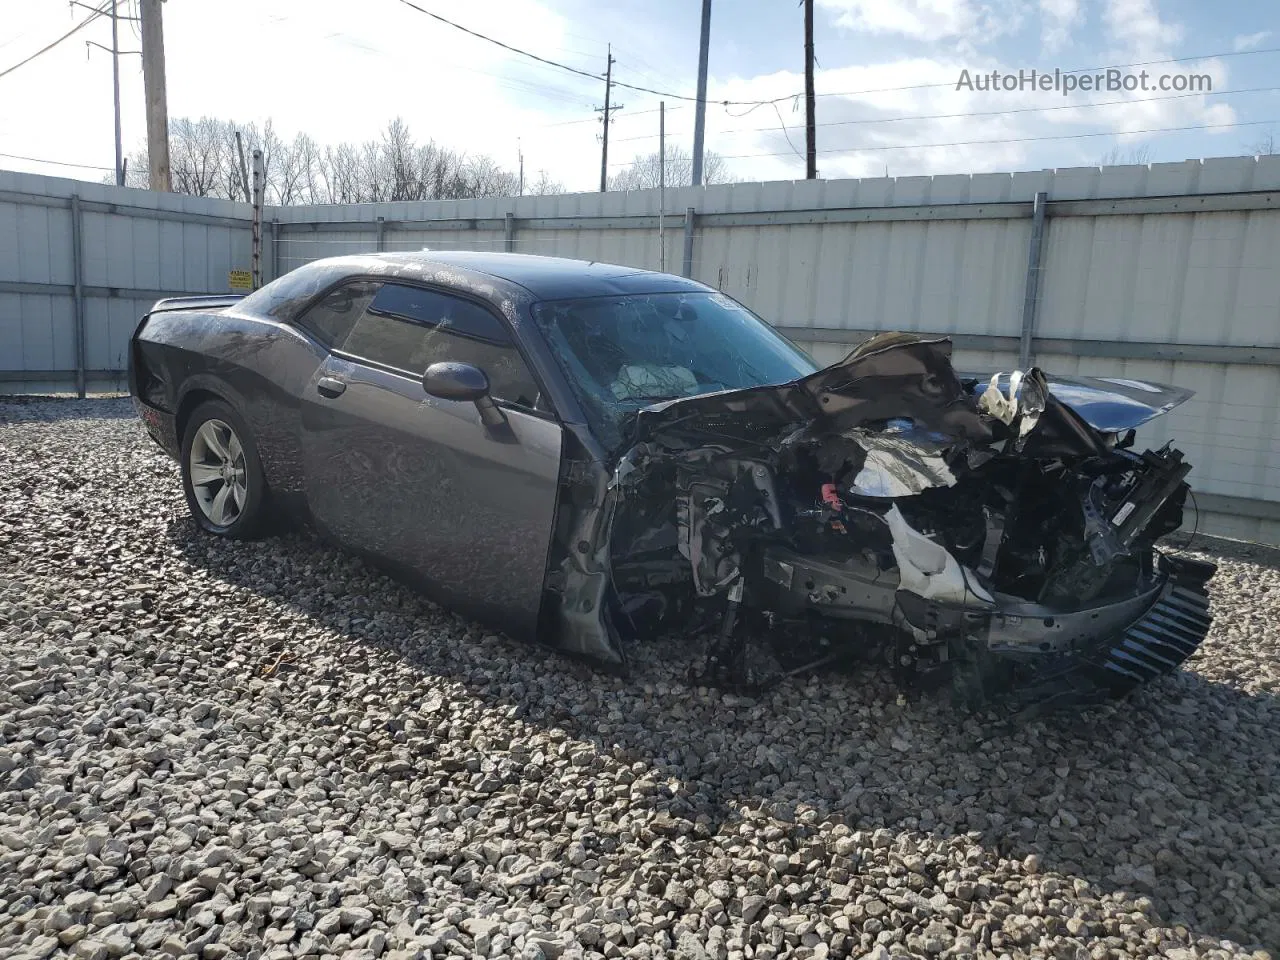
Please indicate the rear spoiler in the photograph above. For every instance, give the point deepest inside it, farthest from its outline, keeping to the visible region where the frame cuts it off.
(204, 302)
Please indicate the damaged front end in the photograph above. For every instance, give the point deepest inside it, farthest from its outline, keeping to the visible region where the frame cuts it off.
(982, 534)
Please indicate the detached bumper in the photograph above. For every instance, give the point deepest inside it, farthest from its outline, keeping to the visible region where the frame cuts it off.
(1162, 639)
(1119, 661)
(1035, 653)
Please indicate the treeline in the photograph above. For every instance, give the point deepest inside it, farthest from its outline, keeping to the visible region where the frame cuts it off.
(644, 172)
(205, 160)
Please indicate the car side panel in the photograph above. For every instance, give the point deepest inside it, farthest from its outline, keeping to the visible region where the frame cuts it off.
(420, 483)
(258, 366)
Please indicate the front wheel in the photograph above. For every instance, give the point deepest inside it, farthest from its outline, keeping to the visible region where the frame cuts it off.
(221, 472)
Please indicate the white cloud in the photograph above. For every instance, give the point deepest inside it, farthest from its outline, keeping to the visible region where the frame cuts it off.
(911, 119)
(928, 20)
(311, 67)
(338, 78)
(1135, 27)
(1057, 19)
(1251, 41)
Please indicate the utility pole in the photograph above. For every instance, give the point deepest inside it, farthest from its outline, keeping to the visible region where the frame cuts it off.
(244, 170)
(662, 183)
(608, 112)
(114, 50)
(520, 150)
(153, 80)
(810, 126)
(700, 108)
(115, 80)
(259, 185)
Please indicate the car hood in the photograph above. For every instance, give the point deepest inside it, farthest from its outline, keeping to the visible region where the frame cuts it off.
(898, 377)
(1114, 404)
(894, 376)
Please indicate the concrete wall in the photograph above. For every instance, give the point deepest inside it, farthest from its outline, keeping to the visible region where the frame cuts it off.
(1166, 272)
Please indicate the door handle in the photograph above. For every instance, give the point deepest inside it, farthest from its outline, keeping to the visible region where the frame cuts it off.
(330, 387)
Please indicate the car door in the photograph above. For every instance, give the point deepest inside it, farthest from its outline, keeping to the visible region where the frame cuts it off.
(421, 482)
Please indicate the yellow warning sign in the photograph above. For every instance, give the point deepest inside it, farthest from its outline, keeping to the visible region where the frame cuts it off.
(240, 280)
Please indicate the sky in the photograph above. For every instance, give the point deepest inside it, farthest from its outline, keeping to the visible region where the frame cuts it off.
(897, 80)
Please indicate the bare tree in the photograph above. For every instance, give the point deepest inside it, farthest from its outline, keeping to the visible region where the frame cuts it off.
(643, 171)
(544, 186)
(197, 159)
(1115, 157)
(205, 162)
(296, 172)
(1265, 147)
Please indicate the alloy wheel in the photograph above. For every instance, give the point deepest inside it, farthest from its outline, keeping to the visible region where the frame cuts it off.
(219, 476)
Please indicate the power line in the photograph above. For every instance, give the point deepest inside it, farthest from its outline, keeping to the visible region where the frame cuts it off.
(929, 86)
(505, 46)
(969, 143)
(1112, 66)
(76, 29)
(55, 163)
(792, 96)
(635, 113)
(582, 73)
(555, 93)
(980, 113)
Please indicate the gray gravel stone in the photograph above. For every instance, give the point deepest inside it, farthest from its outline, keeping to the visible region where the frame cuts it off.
(219, 749)
(41, 947)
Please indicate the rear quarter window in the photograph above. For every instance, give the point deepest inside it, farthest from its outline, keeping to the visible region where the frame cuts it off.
(334, 316)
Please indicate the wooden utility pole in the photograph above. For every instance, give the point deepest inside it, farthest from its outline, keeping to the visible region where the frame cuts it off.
(157, 100)
(810, 125)
(608, 118)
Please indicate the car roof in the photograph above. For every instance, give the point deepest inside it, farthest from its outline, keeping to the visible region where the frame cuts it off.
(550, 278)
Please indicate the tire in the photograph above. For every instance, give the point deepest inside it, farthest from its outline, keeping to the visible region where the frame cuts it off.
(227, 494)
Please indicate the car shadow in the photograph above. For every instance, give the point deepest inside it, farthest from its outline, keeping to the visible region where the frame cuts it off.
(28, 408)
(1169, 795)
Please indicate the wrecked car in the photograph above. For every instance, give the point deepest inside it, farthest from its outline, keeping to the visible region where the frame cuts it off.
(594, 456)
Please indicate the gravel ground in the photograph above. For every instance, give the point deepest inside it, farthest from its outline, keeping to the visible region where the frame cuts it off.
(211, 749)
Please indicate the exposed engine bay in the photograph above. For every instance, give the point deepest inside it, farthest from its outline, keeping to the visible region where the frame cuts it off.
(987, 535)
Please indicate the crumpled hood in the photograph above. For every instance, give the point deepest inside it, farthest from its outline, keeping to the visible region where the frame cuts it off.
(892, 377)
(889, 377)
(1113, 404)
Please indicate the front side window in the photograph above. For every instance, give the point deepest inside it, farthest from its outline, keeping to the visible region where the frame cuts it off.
(332, 317)
(623, 353)
(409, 328)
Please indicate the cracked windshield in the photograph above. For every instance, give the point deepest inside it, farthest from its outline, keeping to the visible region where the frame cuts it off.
(623, 353)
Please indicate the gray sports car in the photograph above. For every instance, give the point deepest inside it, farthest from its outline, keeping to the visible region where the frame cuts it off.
(593, 455)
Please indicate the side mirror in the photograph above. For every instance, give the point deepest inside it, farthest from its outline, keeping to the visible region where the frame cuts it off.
(455, 381)
(463, 381)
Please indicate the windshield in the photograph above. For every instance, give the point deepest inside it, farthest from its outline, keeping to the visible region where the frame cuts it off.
(623, 353)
